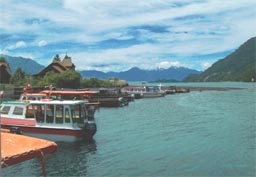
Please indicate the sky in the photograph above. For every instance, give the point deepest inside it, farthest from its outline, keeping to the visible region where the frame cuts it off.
(116, 35)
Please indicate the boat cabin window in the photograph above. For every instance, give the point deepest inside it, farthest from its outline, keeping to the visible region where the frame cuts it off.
(5, 109)
(30, 112)
(49, 113)
(39, 112)
(18, 110)
(78, 113)
(62, 116)
(59, 114)
(67, 115)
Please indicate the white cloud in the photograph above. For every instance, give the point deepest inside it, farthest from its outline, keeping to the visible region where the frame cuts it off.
(168, 64)
(192, 28)
(206, 65)
(113, 14)
(19, 44)
(3, 51)
(42, 43)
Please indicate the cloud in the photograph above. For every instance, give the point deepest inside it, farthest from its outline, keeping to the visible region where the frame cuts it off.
(206, 65)
(168, 64)
(19, 44)
(42, 43)
(118, 35)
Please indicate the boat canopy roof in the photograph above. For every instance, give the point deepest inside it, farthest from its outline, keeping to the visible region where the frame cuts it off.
(45, 101)
(68, 92)
(16, 102)
(67, 102)
(34, 94)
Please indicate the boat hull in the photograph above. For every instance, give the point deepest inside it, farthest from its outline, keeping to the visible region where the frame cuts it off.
(152, 94)
(90, 129)
(53, 134)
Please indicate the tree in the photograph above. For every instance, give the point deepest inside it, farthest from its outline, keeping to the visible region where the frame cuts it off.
(56, 58)
(18, 78)
(67, 79)
(2, 60)
(92, 83)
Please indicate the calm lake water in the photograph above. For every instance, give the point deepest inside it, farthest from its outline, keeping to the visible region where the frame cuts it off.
(209, 133)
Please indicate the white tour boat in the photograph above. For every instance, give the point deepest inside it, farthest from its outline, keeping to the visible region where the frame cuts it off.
(55, 120)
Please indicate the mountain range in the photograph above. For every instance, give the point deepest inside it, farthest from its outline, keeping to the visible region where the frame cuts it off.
(137, 74)
(30, 67)
(238, 66)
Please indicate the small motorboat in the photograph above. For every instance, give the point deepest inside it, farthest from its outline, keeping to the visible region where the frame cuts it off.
(55, 120)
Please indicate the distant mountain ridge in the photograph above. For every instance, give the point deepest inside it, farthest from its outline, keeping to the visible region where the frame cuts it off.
(238, 66)
(137, 74)
(28, 65)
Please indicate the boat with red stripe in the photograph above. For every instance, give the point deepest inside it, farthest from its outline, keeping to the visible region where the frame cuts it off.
(55, 120)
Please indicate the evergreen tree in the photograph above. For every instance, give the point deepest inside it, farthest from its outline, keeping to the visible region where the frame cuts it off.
(18, 78)
(56, 58)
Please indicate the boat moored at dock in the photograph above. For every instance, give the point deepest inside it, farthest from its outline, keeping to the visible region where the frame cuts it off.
(144, 91)
(55, 120)
(102, 97)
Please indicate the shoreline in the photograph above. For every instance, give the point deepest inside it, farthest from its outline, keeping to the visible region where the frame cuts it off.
(196, 88)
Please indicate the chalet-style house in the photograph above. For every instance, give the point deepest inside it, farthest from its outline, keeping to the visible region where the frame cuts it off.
(5, 74)
(57, 66)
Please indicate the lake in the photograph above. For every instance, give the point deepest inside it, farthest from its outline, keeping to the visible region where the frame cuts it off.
(208, 133)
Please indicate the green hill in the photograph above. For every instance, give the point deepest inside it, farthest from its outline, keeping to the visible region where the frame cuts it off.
(238, 66)
(29, 66)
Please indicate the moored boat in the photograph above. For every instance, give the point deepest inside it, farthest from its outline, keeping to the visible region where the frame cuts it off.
(110, 97)
(54, 120)
(32, 96)
(103, 97)
(145, 91)
(69, 94)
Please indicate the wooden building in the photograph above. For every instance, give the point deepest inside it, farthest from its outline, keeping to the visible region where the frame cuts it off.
(5, 74)
(57, 66)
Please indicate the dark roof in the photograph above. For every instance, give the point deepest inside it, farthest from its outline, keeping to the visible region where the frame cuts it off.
(5, 66)
(58, 66)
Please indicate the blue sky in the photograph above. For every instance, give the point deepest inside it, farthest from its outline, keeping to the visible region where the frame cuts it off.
(115, 35)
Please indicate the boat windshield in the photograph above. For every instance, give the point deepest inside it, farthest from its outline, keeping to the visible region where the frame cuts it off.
(59, 113)
(5, 109)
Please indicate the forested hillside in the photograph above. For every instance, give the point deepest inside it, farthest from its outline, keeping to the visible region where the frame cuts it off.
(137, 74)
(29, 66)
(238, 66)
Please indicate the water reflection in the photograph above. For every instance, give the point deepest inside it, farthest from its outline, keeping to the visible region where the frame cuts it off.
(71, 159)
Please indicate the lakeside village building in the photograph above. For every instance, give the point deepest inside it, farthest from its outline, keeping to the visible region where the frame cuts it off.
(5, 73)
(57, 66)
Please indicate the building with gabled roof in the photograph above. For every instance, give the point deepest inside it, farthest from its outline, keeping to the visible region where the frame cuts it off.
(57, 66)
(5, 73)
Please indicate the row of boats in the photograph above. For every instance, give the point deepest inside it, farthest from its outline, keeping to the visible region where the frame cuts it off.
(51, 116)
(66, 115)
